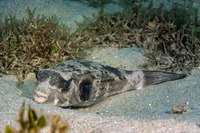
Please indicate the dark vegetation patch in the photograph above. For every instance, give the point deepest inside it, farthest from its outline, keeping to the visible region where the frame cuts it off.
(33, 43)
(169, 38)
(98, 3)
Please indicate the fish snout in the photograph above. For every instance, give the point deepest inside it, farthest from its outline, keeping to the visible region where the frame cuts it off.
(40, 97)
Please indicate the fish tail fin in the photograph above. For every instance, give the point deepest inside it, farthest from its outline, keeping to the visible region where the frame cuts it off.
(157, 77)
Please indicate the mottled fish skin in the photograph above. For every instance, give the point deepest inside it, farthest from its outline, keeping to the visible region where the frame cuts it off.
(82, 83)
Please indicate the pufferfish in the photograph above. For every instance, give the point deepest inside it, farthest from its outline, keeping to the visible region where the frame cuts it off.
(82, 83)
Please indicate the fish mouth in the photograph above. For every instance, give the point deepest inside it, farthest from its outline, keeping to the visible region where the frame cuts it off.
(40, 97)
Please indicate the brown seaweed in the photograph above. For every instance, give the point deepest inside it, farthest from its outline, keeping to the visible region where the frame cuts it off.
(172, 45)
(34, 43)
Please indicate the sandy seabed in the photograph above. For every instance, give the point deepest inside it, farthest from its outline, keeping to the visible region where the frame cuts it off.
(146, 110)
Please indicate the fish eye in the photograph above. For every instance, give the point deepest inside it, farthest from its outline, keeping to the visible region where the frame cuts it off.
(66, 85)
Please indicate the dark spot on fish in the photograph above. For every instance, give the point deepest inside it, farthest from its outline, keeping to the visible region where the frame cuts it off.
(114, 71)
(85, 63)
(70, 66)
(52, 82)
(60, 65)
(60, 83)
(73, 68)
(87, 72)
(85, 89)
(55, 79)
(42, 75)
(198, 125)
(0, 34)
(96, 68)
